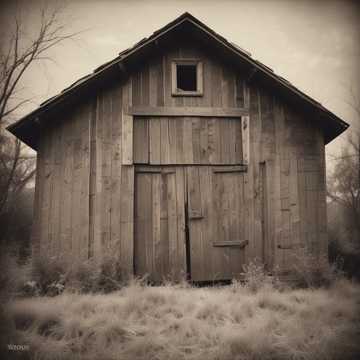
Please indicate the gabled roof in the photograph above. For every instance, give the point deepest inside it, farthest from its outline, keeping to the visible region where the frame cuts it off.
(27, 128)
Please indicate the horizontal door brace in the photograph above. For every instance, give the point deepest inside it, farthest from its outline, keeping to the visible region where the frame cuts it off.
(240, 244)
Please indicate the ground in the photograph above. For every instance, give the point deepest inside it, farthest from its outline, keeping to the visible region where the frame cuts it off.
(182, 322)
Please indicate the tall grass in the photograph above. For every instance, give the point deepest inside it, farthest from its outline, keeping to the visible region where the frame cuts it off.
(182, 322)
(256, 319)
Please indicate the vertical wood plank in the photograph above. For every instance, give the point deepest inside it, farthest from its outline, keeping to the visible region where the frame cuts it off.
(45, 201)
(85, 177)
(116, 170)
(54, 220)
(238, 142)
(225, 139)
(127, 139)
(207, 85)
(97, 245)
(127, 219)
(204, 141)
(180, 210)
(195, 229)
(245, 126)
(145, 85)
(279, 255)
(156, 228)
(35, 230)
(92, 180)
(239, 91)
(160, 100)
(172, 233)
(38, 247)
(141, 140)
(67, 184)
(216, 80)
(136, 88)
(143, 248)
(164, 141)
(196, 140)
(155, 140)
(106, 194)
(236, 220)
(173, 140)
(214, 141)
(51, 173)
(180, 140)
(164, 249)
(188, 141)
(208, 258)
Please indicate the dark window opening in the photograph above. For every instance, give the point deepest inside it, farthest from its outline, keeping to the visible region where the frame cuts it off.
(186, 77)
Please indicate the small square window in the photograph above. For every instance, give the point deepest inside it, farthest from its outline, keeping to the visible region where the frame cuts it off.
(187, 78)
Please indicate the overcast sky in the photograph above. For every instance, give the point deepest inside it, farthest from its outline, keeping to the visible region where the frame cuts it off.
(313, 44)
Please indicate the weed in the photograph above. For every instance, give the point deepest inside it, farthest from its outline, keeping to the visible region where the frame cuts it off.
(313, 270)
(257, 277)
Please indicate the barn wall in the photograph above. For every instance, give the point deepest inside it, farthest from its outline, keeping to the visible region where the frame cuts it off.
(111, 191)
(62, 186)
(285, 181)
(84, 193)
(85, 173)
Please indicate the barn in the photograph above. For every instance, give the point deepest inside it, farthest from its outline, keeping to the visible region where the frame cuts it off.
(183, 155)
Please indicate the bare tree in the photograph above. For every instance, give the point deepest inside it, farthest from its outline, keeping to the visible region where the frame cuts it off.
(344, 186)
(17, 54)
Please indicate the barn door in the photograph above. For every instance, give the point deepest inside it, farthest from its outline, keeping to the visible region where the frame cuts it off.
(216, 220)
(159, 227)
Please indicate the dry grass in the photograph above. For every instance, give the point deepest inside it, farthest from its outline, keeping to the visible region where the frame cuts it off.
(182, 322)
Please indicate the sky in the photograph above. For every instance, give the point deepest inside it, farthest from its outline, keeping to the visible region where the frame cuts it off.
(313, 44)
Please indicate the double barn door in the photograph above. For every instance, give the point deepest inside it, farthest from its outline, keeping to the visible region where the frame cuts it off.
(189, 221)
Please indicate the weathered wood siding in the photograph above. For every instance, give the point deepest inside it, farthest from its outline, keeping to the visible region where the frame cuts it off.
(160, 222)
(61, 220)
(151, 82)
(216, 222)
(187, 140)
(84, 192)
(285, 182)
(86, 187)
(112, 190)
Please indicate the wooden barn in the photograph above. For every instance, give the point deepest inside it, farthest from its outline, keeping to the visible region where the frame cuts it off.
(183, 155)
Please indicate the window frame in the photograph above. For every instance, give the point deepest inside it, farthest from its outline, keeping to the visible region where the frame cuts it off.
(199, 77)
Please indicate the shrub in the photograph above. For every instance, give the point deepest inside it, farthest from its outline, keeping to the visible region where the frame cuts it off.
(53, 275)
(256, 276)
(50, 275)
(82, 276)
(312, 271)
(13, 274)
(111, 275)
(96, 276)
(30, 288)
